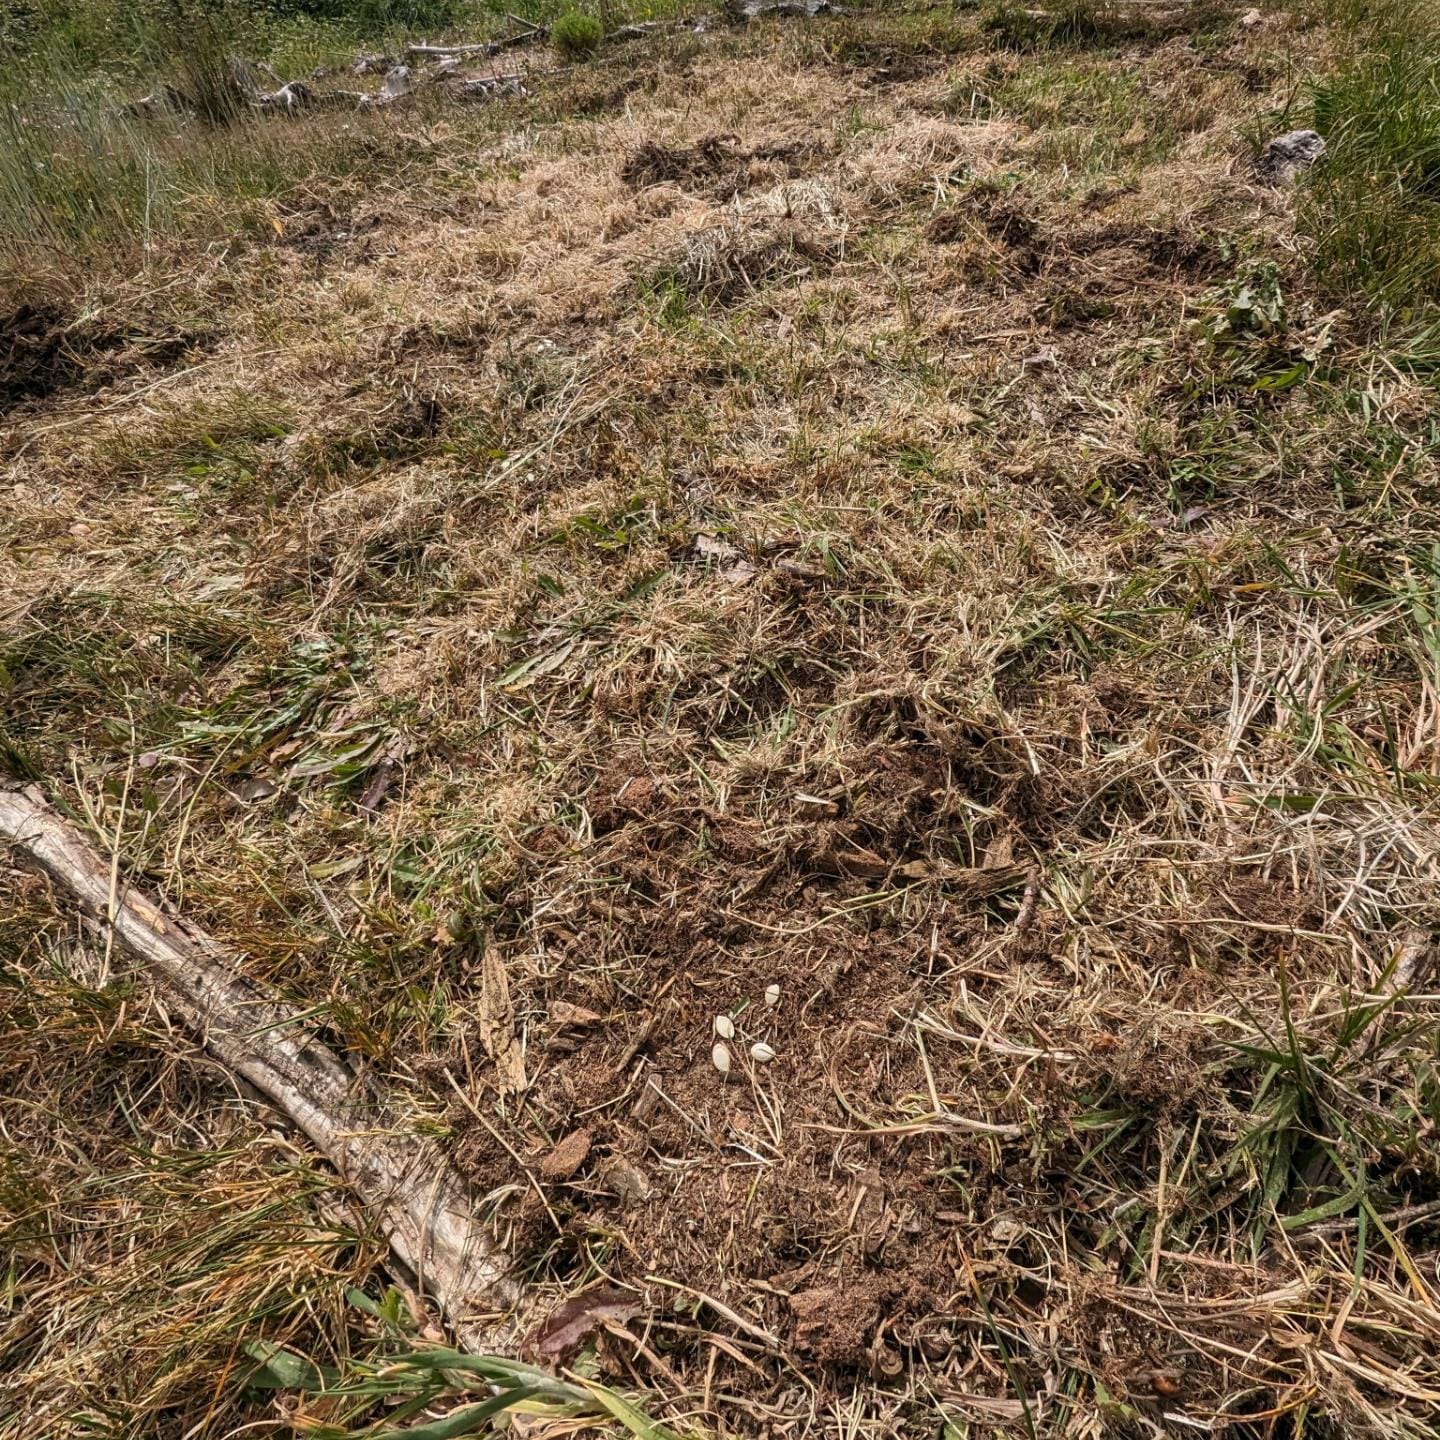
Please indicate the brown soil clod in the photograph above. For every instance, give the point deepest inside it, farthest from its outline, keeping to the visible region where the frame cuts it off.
(837, 1323)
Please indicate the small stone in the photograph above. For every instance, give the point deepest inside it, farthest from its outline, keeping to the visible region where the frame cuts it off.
(1287, 155)
(761, 1052)
(772, 995)
(720, 1055)
(724, 1027)
(627, 1183)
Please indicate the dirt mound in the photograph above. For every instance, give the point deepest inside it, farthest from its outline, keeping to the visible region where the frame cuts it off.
(1000, 222)
(999, 216)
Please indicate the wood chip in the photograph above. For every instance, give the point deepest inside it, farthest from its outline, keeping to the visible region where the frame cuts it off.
(564, 1015)
(859, 862)
(497, 1024)
(566, 1158)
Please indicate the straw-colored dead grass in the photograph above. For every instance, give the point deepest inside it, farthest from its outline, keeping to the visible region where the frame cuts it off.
(872, 580)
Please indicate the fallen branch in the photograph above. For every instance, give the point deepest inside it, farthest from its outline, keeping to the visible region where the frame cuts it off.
(782, 9)
(484, 47)
(418, 1201)
(292, 97)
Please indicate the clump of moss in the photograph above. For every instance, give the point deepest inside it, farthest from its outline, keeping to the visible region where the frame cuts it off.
(576, 36)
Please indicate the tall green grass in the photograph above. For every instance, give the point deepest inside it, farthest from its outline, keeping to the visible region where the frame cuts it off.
(84, 181)
(1372, 206)
(86, 177)
(131, 35)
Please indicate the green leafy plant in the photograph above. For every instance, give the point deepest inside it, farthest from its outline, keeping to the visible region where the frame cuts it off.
(1252, 305)
(1255, 340)
(477, 1389)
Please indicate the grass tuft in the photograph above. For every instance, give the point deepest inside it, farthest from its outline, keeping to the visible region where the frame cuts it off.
(1373, 202)
(576, 36)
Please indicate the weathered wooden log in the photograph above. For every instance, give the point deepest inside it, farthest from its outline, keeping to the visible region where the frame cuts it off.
(486, 47)
(416, 1199)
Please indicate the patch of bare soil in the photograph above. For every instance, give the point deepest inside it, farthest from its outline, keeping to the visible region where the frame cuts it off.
(1008, 235)
(830, 1194)
(717, 164)
(38, 354)
(44, 350)
(764, 1182)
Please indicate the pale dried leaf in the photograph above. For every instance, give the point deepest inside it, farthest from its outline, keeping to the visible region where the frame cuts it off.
(572, 1322)
(564, 1015)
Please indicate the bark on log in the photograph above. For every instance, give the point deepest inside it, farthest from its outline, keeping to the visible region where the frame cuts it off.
(422, 1206)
